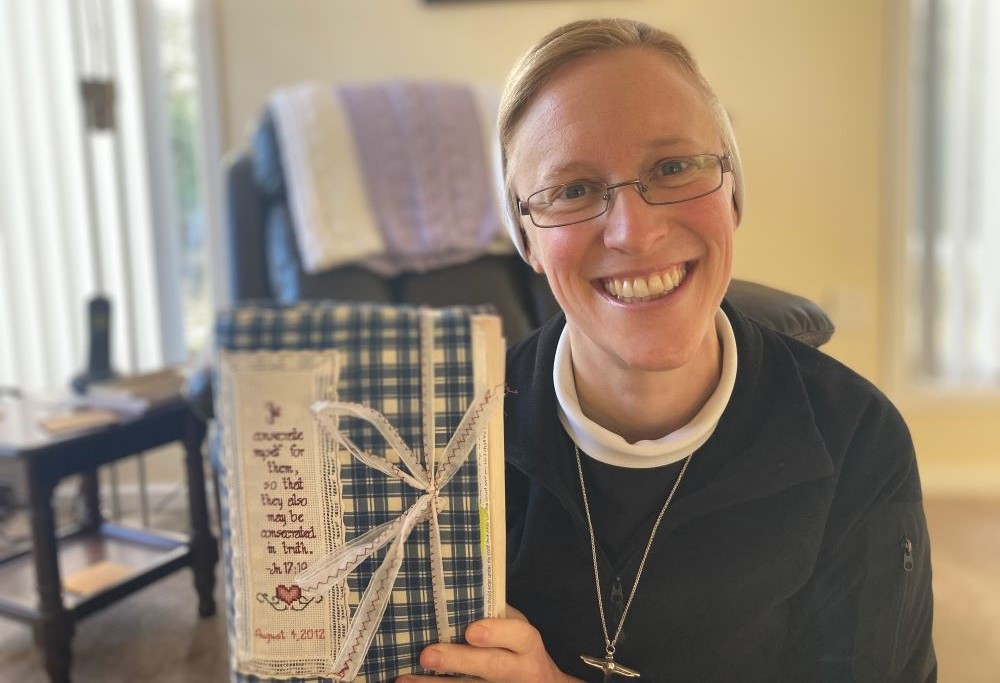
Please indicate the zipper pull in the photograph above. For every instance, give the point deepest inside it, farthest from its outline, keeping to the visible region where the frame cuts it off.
(907, 546)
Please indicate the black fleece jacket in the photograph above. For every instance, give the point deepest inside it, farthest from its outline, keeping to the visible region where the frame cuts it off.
(795, 550)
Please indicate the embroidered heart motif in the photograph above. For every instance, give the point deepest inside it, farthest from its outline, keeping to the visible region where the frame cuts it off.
(288, 594)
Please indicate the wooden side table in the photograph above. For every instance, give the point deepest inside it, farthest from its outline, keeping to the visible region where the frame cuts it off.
(31, 588)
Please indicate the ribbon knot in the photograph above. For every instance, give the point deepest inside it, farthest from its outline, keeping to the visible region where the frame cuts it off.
(431, 479)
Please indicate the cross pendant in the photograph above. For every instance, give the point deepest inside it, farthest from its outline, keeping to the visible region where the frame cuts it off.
(609, 667)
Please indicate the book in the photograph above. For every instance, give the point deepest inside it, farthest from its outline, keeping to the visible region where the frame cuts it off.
(136, 393)
(34, 418)
(363, 485)
(77, 420)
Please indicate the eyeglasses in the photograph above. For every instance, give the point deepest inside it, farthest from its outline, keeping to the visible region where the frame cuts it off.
(670, 181)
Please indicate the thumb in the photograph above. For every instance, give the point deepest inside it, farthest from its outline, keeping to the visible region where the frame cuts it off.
(514, 613)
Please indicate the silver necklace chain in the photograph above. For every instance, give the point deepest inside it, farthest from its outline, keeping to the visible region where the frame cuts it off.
(609, 643)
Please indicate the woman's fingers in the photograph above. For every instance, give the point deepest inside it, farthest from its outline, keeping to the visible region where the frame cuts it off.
(508, 650)
(514, 634)
(495, 663)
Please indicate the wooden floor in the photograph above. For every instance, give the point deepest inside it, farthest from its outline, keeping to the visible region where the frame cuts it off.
(155, 635)
(965, 551)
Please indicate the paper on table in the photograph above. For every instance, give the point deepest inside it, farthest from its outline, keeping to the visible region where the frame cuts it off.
(78, 420)
(96, 577)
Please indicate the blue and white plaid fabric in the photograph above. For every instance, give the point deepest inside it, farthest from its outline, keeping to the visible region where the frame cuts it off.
(380, 367)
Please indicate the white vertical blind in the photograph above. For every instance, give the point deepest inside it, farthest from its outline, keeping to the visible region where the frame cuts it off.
(955, 246)
(163, 202)
(75, 216)
(39, 164)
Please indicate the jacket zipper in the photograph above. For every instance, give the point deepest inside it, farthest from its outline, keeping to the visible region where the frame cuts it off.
(907, 547)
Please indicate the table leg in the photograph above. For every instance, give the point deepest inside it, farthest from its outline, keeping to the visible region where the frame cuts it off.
(54, 628)
(204, 548)
(91, 489)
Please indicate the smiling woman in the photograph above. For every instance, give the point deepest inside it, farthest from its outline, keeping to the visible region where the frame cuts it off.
(739, 506)
(632, 242)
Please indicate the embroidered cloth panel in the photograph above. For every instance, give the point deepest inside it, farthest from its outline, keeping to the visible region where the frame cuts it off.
(365, 520)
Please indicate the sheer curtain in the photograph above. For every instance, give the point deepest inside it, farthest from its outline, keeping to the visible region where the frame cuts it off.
(954, 247)
(78, 209)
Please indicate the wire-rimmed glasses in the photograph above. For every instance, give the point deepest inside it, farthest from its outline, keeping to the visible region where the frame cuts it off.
(670, 181)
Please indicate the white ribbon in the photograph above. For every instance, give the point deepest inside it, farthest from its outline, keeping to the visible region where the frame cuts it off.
(322, 575)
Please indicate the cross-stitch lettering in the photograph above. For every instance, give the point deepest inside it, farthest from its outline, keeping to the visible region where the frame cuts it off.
(293, 434)
(287, 567)
(268, 635)
(298, 548)
(297, 532)
(272, 452)
(274, 520)
(271, 502)
(273, 412)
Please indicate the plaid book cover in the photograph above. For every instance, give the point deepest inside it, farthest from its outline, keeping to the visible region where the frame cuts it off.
(299, 484)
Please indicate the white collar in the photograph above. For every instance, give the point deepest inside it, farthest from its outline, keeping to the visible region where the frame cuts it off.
(610, 448)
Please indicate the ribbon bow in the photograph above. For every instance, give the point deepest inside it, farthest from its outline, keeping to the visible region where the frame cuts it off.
(335, 567)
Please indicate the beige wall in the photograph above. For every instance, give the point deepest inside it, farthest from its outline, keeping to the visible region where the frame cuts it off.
(803, 80)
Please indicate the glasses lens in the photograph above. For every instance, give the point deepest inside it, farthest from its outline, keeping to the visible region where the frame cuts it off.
(681, 178)
(573, 202)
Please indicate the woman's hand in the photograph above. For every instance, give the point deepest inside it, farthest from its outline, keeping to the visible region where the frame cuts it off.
(499, 651)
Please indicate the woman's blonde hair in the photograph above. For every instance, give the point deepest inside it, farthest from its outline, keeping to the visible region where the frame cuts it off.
(578, 39)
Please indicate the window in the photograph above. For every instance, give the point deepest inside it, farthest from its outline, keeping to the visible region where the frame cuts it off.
(102, 175)
(952, 262)
(178, 56)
